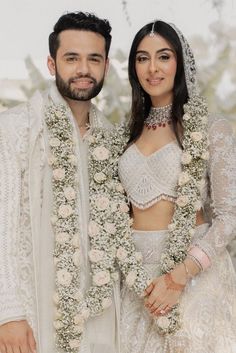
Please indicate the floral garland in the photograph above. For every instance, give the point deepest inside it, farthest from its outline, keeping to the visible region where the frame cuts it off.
(190, 183)
(109, 227)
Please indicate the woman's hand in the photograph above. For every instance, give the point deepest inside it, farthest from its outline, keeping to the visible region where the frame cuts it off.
(164, 292)
(17, 337)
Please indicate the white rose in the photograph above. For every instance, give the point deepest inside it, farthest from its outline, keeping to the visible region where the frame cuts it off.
(106, 303)
(196, 136)
(99, 177)
(124, 207)
(79, 328)
(52, 160)
(119, 188)
(69, 193)
(93, 229)
(56, 298)
(65, 211)
(131, 221)
(59, 174)
(76, 258)
(73, 159)
(54, 219)
(183, 178)
(85, 313)
(78, 295)
(64, 277)
(74, 344)
(101, 153)
(115, 276)
(171, 227)
(54, 142)
(163, 322)
(113, 207)
(186, 117)
(75, 240)
(191, 232)
(57, 314)
(182, 200)
(121, 254)
(62, 237)
(55, 261)
(205, 155)
(58, 114)
(96, 255)
(91, 139)
(110, 228)
(102, 203)
(186, 158)
(101, 278)
(58, 324)
(138, 256)
(197, 205)
(130, 278)
(204, 119)
(78, 319)
(201, 185)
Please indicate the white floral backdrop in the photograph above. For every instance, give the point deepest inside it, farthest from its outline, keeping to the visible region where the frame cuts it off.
(216, 72)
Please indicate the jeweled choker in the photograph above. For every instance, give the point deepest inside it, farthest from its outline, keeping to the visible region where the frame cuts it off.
(159, 117)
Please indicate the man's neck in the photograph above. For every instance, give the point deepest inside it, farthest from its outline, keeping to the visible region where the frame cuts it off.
(80, 110)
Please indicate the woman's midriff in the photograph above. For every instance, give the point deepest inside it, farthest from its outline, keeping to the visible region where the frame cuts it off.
(158, 216)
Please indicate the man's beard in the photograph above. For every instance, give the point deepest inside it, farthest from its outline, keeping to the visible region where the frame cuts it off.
(78, 94)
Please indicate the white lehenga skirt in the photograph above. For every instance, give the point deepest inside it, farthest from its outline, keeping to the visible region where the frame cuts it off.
(207, 306)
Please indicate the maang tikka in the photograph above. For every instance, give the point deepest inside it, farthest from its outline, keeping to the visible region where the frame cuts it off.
(152, 33)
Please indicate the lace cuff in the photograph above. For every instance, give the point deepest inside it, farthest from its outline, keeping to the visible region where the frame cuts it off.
(10, 194)
(222, 174)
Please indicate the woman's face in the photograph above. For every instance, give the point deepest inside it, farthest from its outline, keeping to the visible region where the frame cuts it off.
(156, 66)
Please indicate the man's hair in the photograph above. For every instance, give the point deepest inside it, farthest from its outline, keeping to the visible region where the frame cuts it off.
(82, 21)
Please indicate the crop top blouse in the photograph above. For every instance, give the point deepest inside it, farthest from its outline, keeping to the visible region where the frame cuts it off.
(148, 179)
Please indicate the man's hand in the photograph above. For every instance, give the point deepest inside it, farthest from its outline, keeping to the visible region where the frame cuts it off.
(17, 337)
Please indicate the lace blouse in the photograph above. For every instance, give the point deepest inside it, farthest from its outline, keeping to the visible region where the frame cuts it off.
(148, 179)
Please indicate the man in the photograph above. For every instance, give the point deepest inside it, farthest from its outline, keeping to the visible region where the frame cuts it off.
(79, 47)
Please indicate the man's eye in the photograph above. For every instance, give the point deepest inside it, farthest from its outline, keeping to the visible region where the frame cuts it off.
(71, 59)
(95, 59)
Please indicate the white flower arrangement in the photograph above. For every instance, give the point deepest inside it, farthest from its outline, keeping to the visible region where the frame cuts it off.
(109, 227)
(194, 158)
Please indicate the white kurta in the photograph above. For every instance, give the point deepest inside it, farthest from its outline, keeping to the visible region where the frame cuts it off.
(26, 237)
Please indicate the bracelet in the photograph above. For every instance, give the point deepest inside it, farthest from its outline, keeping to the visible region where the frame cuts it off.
(171, 284)
(200, 256)
(196, 261)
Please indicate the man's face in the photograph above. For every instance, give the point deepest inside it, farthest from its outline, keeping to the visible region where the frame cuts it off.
(80, 64)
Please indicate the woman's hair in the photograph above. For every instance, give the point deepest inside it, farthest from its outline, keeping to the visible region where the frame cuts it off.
(141, 101)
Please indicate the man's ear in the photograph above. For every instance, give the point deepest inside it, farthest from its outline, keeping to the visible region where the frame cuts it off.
(51, 65)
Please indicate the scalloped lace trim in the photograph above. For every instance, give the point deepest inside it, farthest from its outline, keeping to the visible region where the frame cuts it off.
(148, 204)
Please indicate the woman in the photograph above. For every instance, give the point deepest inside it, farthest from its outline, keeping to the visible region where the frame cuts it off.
(179, 172)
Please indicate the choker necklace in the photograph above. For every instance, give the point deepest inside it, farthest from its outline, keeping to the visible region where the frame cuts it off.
(159, 117)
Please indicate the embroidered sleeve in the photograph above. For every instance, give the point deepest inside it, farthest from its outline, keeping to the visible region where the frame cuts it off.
(11, 307)
(222, 175)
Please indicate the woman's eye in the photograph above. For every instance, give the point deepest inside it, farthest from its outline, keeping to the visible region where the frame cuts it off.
(164, 57)
(141, 58)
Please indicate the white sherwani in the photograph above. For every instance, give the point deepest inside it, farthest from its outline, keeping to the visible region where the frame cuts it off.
(26, 236)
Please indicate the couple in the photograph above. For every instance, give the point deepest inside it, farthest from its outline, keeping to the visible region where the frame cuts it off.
(65, 224)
